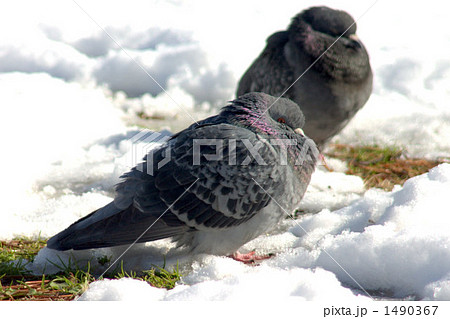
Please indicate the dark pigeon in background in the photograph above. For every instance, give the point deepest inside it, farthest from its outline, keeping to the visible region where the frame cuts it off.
(208, 203)
(336, 86)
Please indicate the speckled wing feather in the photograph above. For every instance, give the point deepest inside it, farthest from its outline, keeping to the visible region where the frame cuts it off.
(222, 195)
(181, 196)
(227, 195)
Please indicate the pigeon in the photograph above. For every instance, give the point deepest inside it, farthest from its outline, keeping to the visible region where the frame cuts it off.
(212, 187)
(321, 50)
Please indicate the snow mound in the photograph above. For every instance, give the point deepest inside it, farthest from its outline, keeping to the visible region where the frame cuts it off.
(383, 245)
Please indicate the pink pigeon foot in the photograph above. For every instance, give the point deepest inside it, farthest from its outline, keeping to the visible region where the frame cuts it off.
(249, 258)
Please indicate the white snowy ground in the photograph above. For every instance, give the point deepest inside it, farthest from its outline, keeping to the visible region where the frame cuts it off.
(69, 97)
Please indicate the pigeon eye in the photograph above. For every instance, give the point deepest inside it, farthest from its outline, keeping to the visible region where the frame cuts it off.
(281, 120)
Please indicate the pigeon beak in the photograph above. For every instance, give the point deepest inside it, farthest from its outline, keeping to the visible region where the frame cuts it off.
(355, 41)
(354, 37)
(299, 131)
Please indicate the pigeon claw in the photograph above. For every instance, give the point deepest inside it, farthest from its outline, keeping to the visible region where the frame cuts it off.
(249, 258)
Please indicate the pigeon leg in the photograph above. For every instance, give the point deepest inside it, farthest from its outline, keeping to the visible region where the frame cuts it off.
(324, 162)
(249, 258)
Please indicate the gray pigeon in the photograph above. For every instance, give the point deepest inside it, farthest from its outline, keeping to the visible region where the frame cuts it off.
(334, 88)
(212, 187)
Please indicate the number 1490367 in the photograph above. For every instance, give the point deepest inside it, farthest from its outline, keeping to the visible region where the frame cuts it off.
(410, 310)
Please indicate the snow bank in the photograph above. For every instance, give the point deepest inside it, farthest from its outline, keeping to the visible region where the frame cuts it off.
(386, 244)
(49, 169)
(299, 284)
(71, 100)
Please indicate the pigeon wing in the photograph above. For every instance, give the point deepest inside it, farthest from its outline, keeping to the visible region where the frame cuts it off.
(231, 176)
(188, 188)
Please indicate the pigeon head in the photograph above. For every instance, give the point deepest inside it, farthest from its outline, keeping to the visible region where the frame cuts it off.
(278, 120)
(266, 114)
(330, 36)
(329, 21)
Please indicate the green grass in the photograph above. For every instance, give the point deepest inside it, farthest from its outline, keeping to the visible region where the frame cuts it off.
(157, 277)
(23, 247)
(16, 254)
(17, 283)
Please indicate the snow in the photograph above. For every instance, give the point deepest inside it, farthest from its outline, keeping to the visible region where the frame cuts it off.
(309, 285)
(70, 102)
